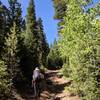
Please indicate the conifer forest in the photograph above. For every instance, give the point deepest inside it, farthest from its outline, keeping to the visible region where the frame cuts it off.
(70, 65)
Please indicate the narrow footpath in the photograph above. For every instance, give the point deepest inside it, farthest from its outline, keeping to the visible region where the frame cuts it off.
(53, 89)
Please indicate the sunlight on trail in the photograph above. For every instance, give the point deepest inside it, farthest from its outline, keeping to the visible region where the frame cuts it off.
(53, 89)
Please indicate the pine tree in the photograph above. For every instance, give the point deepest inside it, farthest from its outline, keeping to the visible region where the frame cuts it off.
(54, 58)
(31, 41)
(3, 26)
(5, 85)
(15, 14)
(31, 25)
(79, 44)
(40, 40)
(43, 47)
(11, 59)
(60, 8)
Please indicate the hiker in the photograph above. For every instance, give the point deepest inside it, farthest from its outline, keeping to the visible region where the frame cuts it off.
(36, 75)
(36, 79)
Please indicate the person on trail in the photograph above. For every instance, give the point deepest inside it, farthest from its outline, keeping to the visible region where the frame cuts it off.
(36, 79)
(36, 75)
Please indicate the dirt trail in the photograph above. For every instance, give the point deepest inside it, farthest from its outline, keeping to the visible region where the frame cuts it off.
(53, 89)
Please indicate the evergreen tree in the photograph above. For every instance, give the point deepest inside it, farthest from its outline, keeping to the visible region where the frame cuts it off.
(31, 25)
(43, 47)
(79, 42)
(10, 57)
(15, 14)
(54, 57)
(60, 8)
(45, 51)
(31, 41)
(40, 40)
(3, 26)
(5, 85)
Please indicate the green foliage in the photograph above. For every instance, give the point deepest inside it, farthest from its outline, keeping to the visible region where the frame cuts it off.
(54, 57)
(3, 26)
(31, 40)
(94, 11)
(65, 70)
(35, 39)
(43, 48)
(60, 8)
(10, 56)
(5, 86)
(15, 15)
(23, 46)
(31, 30)
(79, 43)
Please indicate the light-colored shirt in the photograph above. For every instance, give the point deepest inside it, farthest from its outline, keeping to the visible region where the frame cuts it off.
(36, 74)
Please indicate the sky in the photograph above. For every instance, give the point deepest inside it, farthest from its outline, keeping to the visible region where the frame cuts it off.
(45, 10)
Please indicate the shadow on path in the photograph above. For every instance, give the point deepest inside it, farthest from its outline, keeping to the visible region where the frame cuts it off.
(53, 89)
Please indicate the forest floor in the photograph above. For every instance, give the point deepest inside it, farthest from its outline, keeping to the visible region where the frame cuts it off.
(53, 89)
